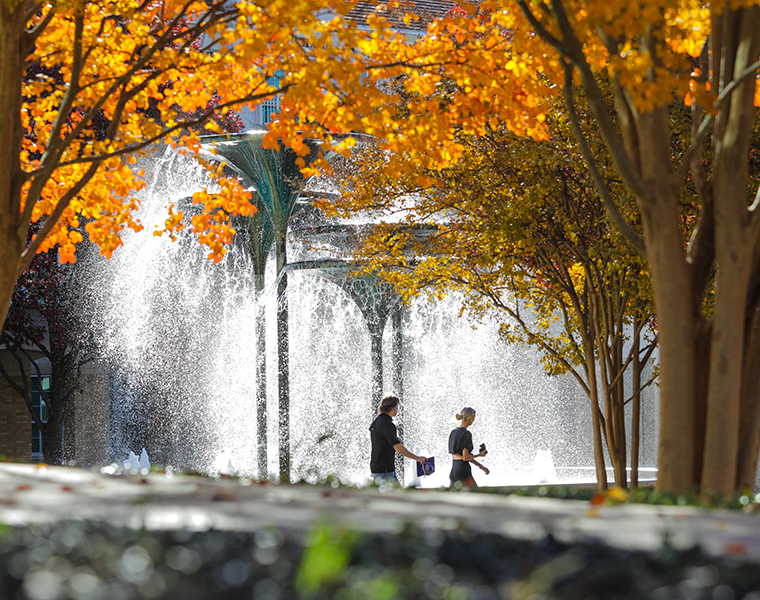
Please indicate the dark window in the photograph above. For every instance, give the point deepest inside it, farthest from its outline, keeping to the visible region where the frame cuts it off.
(42, 410)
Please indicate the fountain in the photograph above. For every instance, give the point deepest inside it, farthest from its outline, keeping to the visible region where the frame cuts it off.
(180, 339)
(543, 467)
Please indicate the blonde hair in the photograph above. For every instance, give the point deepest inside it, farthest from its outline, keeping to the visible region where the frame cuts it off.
(466, 413)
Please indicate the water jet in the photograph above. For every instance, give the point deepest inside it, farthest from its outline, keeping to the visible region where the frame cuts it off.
(181, 338)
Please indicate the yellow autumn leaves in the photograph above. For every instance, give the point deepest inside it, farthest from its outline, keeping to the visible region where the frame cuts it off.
(113, 77)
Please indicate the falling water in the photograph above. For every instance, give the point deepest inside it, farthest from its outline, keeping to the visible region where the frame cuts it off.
(180, 342)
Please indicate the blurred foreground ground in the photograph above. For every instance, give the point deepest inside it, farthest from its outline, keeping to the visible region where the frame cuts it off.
(79, 534)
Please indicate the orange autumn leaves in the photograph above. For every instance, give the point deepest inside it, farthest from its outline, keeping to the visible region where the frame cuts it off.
(108, 81)
(117, 76)
(482, 68)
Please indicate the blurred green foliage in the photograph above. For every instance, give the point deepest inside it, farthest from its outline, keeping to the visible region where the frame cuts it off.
(326, 556)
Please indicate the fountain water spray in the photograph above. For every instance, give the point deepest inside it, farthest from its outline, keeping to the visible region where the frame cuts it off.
(181, 338)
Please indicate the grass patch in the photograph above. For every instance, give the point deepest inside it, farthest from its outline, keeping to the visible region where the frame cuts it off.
(747, 501)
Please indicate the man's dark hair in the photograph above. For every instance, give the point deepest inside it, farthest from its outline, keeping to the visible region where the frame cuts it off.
(387, 404)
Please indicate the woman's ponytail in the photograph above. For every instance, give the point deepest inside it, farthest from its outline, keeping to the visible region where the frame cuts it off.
(466, 413)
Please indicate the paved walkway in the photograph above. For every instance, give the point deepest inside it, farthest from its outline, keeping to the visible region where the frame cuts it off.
(30, 493)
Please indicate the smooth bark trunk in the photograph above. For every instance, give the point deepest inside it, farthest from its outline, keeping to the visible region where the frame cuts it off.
(10, 249)
(636, 403)
(609, 346)
(13, 231)
(734, 244)
(616, 399)
(596, 418)
(397, 345)
(749, 423)
(398, 352)
(726, 358)
(678, 324)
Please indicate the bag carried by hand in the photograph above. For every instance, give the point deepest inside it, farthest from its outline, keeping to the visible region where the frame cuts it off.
(426, 468)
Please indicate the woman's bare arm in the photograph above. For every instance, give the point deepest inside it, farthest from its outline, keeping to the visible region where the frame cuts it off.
(470, 458)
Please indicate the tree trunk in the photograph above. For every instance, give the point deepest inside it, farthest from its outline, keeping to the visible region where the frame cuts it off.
(66, 361)
(596, 417)
(734, 244)
(614, 400)
(726, 360)
(702, 369)
(678, 322)
(607, 344)
(13, 231)
(636, 402)
(10, 250)
(619, 462)
(52, 436)
(398, 352)
(749, 423)
(622, 308)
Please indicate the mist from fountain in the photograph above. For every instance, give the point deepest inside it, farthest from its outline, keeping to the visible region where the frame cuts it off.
(180, 340)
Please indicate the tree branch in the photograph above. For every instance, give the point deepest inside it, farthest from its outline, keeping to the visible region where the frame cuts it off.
(51, 159)
(23, 391)
(34, 8)
(169, 130)
(650, 382)
(596, 102)
(636, 241)
(542, 32)
(31, 250)
(533, 338)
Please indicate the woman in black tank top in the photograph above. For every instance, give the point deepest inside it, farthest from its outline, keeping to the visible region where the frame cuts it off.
(460, 448)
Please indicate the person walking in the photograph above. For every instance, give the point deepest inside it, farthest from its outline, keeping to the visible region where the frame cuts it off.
(385, 443)
(460, 448)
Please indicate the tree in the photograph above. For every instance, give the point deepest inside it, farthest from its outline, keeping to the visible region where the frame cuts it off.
(507, 64)
(84, 86)
(519, 229)
(710, 419)
(514, 58)
(49, 318)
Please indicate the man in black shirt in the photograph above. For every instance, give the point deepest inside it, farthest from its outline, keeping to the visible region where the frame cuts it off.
(385, 443)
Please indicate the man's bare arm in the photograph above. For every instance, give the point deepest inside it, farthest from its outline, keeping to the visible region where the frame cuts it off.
(404, 452)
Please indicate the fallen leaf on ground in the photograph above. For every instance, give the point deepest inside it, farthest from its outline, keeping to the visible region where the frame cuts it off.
(735, 548)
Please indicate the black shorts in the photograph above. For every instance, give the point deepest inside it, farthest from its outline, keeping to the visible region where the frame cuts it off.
(460, 471)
